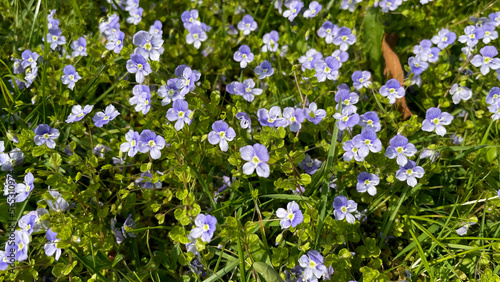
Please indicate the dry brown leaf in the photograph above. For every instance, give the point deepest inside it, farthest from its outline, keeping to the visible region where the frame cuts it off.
(393, 69)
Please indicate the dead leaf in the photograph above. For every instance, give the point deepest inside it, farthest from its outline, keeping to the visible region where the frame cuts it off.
(394, 70)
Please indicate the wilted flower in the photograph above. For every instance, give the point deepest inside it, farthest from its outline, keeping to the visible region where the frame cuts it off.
(146, 181)
(309, 165)
(464, 228)
(245, 121)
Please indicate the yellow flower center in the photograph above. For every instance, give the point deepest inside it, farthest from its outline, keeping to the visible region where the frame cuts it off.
(147, 46)
(255, 160)
(206, 227)
(222, 134)
(133, 143)
(139, 66)
(151, 143)
(399, 150)
(180, 114)
(71, 77)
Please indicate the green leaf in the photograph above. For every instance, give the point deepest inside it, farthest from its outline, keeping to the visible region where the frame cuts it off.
(373, 32)
(267, 272)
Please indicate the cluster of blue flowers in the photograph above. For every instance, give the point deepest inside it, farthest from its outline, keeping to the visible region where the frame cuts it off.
(197, 31)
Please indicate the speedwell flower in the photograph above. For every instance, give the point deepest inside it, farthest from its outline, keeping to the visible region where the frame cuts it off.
(410, 172)
(205, 227)
(132, 144)
(179, 113)
(23, 190)
(344, 209)
(102, 118)
(78, 113)
(400, 149)
(367, 183)
(487, 60)
(44, 134)
(292, 216)
(220, 134)
(152, 143)
(256, 157)
(434, 121)
(141, 98)
(70, 76)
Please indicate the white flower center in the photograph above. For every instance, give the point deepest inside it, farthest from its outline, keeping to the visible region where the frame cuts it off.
(206, 227)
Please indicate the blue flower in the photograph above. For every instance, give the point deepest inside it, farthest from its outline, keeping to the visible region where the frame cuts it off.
(70, 76)
(135, 16)
(422, 49)
(78, 113)
(17, 66)
(247, 24)
(141, 99)
(23, 190)
(30, 76)
(295, 118)
(138, 65)
(464, 228)
(310, 59)
(400, 149)
(187, 78)
(313, 114)
(195, 36)
(294, 8)
(264, 69)
(122, 233)
(328, 31)
(247, 90)
(44, 134)
(389, 5)
(180, 114)
(79, 47)
(110, 26)
(8, 160)
(344, 208)
(370, 120)
(344, 38)
(152, 143)
(102, 118)
(327, 69)
(51, 247)
(205, 227)
(410, 172)
(60, 204)
(495, 110)
(4, 260)
(460, 93)
(472, 35)
(347, 119)
(392, 90)
(148, 45)
(243, 55)
(351, 152)
(495, 18)
(146, 181)
(489, 32)
(169, 92)
(292, 216)
(55, 38)
(349, 4)
(189, 18)
(435, 119)
(272, 117)
(257, 158)
(361, 79)
(220, 134)
(314, 9)
(270, 41)
(29, 59)
(100, 150)
(21, 241)
(311, 266)
(367, 142)
(245, 121)
(347, 97)
(367, 183)
(493, 96)
(444, 38)
(310, 165)
(156, 28)
(132, 144)
(52, 23)
(341, 56)
(115, 42)
(27, 222)
(487, 60)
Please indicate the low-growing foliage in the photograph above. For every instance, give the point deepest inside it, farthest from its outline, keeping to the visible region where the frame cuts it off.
(273, 140)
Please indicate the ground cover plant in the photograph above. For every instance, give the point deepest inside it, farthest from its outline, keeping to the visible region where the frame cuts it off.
(340, 140)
